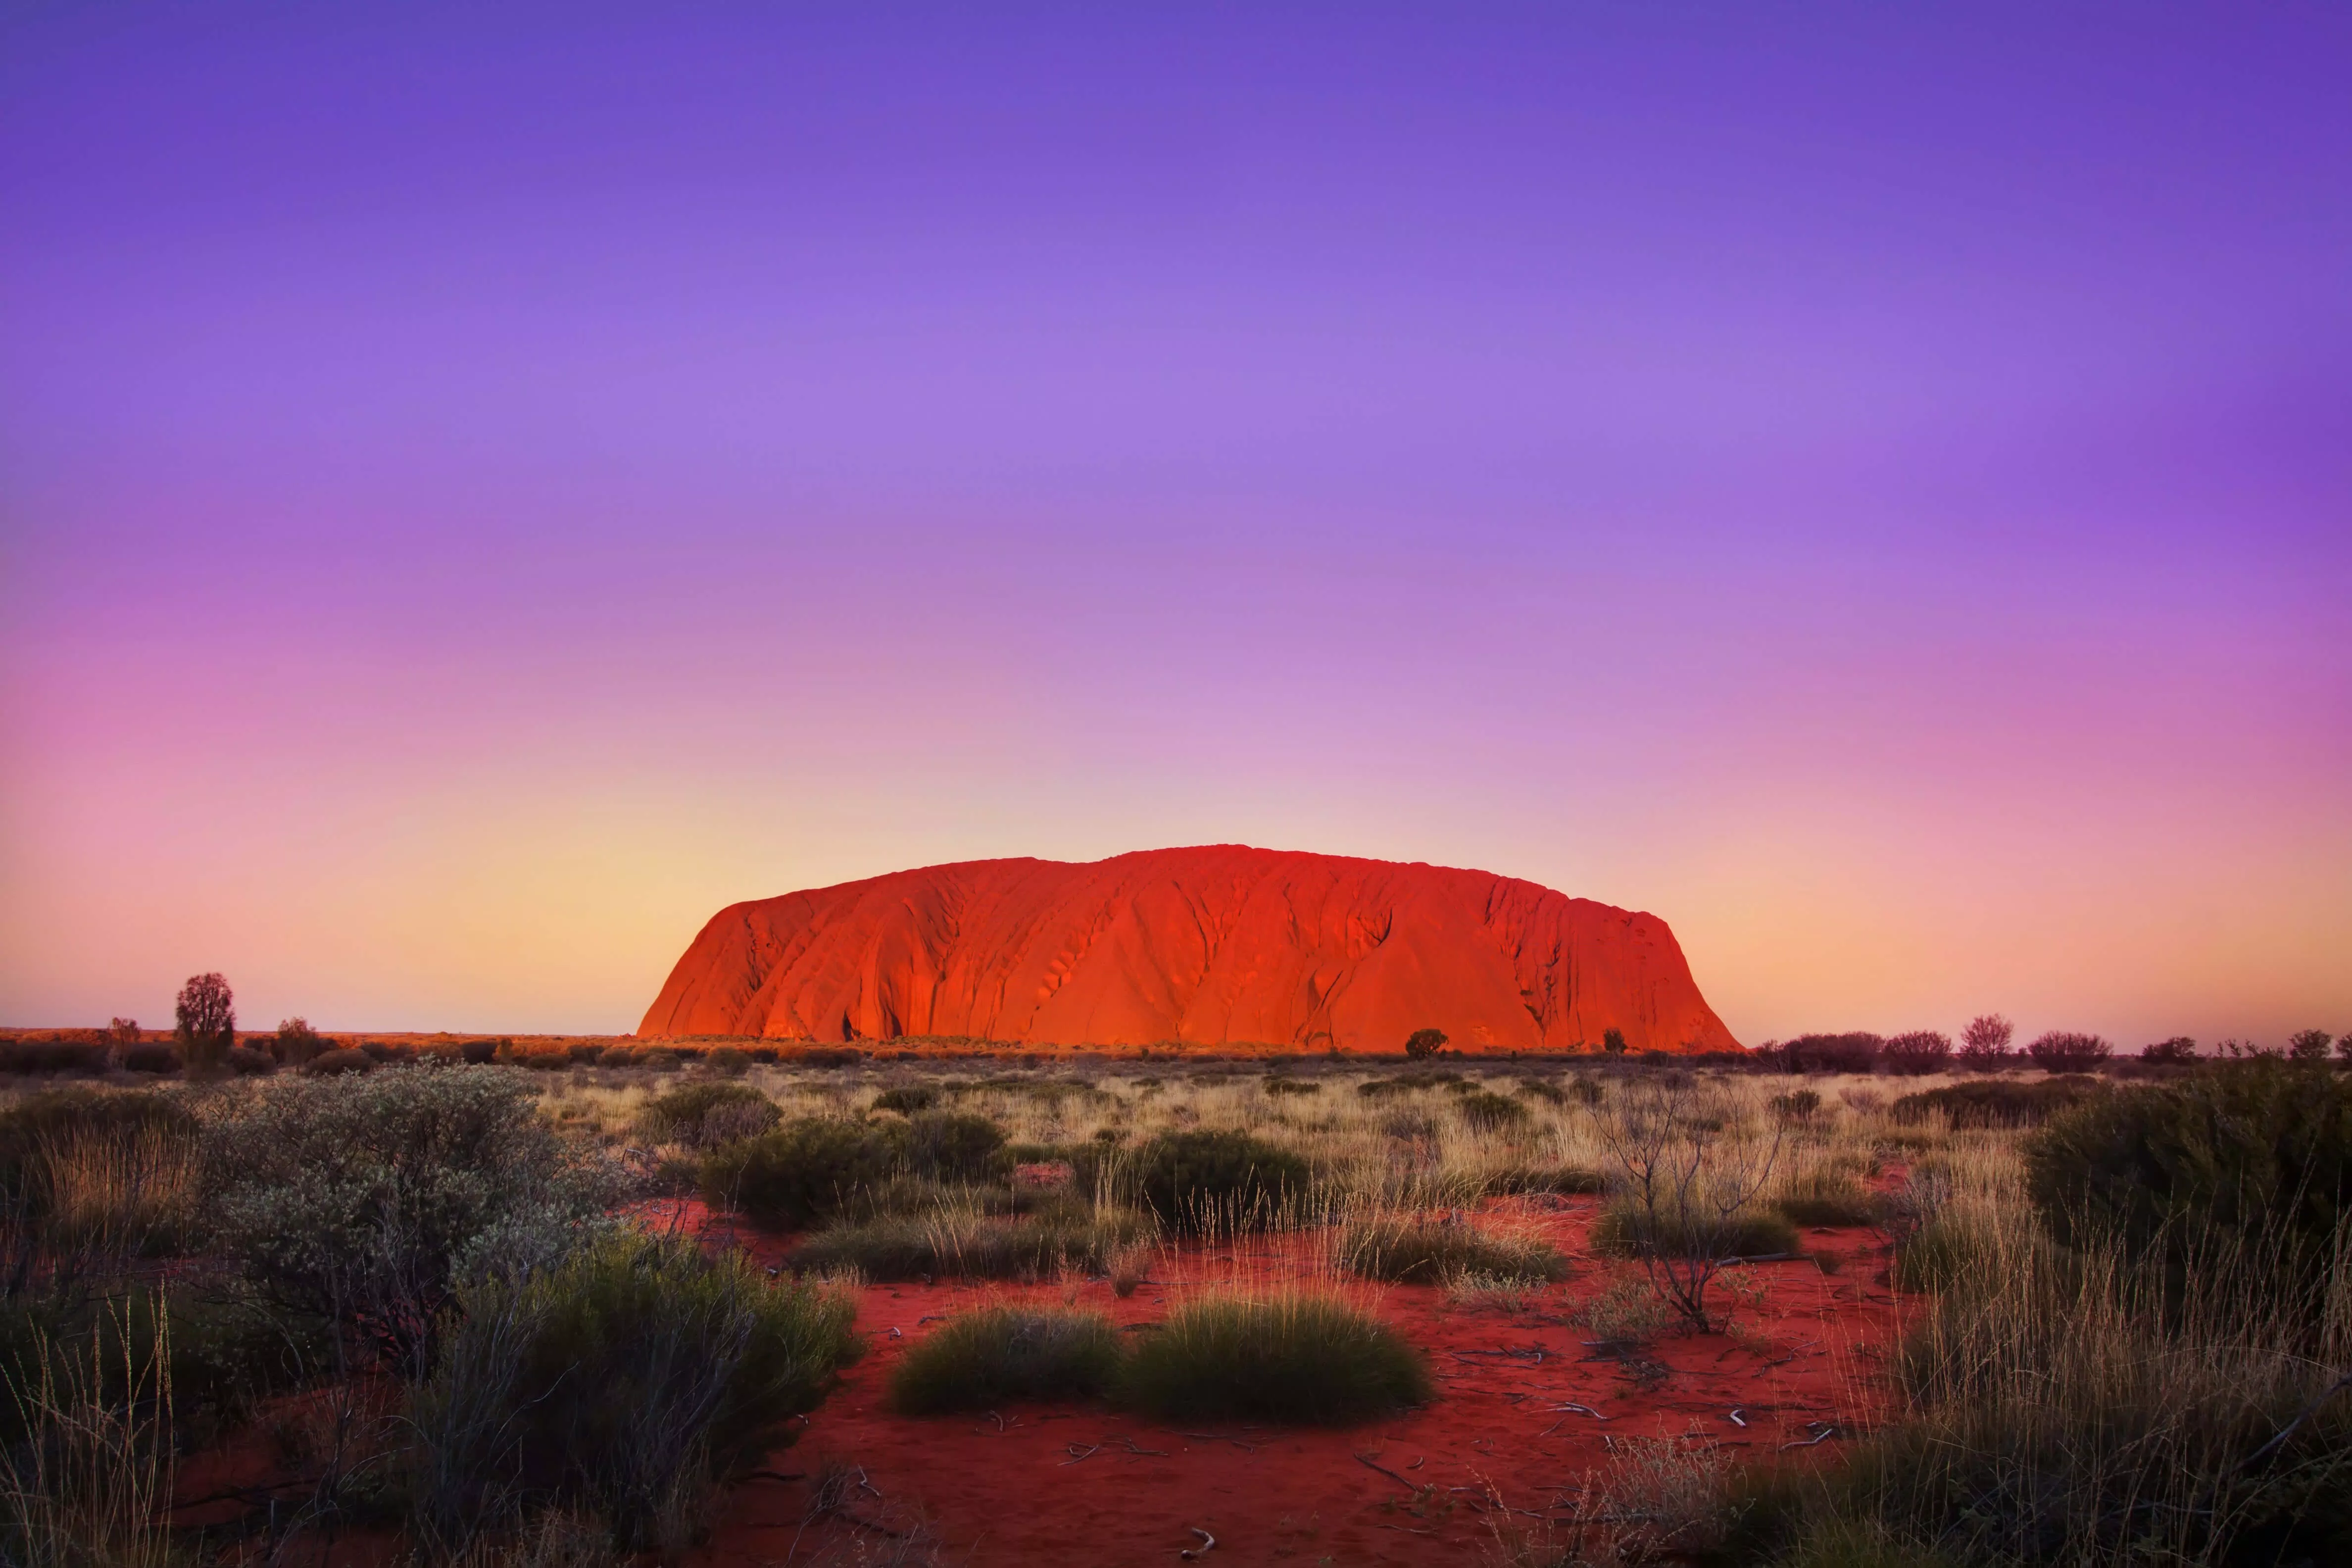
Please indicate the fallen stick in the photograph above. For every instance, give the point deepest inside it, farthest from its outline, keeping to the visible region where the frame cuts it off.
(1208, 1544)
(1372, 1464)
(1737, 1419)
(1078, 1452)
(1823, 1436)
(1580, 1410)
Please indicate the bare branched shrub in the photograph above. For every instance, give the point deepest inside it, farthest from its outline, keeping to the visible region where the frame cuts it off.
(1689, 1177)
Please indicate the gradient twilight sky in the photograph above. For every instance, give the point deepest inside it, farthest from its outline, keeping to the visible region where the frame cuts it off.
(482, 487)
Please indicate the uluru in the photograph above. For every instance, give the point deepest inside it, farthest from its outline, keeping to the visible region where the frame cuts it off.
(1219, 946)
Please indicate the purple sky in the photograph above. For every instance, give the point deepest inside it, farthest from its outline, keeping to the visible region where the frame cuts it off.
(478, 492)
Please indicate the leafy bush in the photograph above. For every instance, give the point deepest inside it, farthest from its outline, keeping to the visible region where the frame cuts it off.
(1206, 1180)
(1628, 1230)
(1424, 1043)
(1307, 1359)
(1430, 1251)
(807, 1170)
(706, 1115)
(2060, 1051)
(247, 1062)
(337, 1063)
(2257, 1154)
(2178, 1049)
(205, 1021)
(1920, 1051)
(967, 1243)
(955, 1146)
(982, 1359)
(296, 1042)
(1490, 1112)
(623, 1382)
(907, 1099)
(1996, 1102)
(366, 1199)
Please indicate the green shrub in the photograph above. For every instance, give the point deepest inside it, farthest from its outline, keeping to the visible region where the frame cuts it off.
(366, 1199)
(1490, 1112)
(907, 1099)
(985, 1358)
(728, 1062)
(807, 1170)
(623, 1382)
(955, 1146)
(1203, 1181)
(709, 1115)
(973, 1244)
(1410, 1083)
(1624, 1229)
(1997, 1103)
(338, 1062)
(1430, 1251)
(2253, 1154)
(1312, 1359)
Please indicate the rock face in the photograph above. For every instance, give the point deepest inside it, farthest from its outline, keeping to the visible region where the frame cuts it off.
(1215, 946)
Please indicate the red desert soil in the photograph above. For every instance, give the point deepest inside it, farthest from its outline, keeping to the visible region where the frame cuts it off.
(1079, 1485)
(1214, 946)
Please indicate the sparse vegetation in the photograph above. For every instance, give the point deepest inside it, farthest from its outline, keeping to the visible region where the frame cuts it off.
(1311, 1360)
(982, 1359)
(1434, 1251)
(1206, 1181)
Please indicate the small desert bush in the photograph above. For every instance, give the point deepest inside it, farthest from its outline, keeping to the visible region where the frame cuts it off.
(808, 1169)
(708, 1115)
(1307, 1359)
(907, 1099)
(1431, 1251)
(1626, 1311)
(1489, 1112)
(340, 1061)
(1278, 1086)
(2258, 1153)
(955, 1146)
(1410, 1083)
(982, 1359)
(1476, 1292)
(1996, 1102)
(366, 1199)
(623, 1383)
(946, 1243)
(1797, 1107)
(1206, 1181)
(1629, 1230)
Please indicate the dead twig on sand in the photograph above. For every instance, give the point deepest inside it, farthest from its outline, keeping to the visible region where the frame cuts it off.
(1372, 1464)
(1208, 1544)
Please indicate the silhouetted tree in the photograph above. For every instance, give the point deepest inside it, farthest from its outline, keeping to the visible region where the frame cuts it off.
(2308, 1045)
(296, 1042)
(1424, 1043)
(1984, 1044)
(1920, 1051)
(1613, 1040)
(2063, 1051)
(2344, 1048)
(2179, 1048)
(123, 1032)
(207, 1021)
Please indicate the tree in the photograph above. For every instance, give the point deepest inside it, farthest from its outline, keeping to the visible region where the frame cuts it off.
(1688, 1178)
(296, 1042)
(2061, 1051)
(2344, 1049)
(1920, 1051)
(125, 1032)
(1984, 1044)
(2307, 1046)
(2179, 1048)
(1613, 1040)
(1423, 1043)
(207, 1021)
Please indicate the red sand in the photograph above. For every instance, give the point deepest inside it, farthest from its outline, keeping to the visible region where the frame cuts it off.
(1079, 1485)
(1213, 947)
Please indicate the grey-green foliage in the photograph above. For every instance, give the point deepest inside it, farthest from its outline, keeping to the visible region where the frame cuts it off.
(370, 1198)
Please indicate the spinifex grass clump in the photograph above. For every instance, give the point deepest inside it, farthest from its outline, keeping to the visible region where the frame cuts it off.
(1997, 1103)
(1827, 1197)
(985, 1358)
(1307, 1359)
(1218, 1181)
(1429, 1251)
(1490, 1112)
(624, 1385)
(1624, 1230)
(960, 1240)
(807, 1170)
